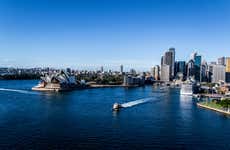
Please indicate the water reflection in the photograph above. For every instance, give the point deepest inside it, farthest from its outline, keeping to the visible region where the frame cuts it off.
(185, 98)
(186, 106)
(76, 119)
(115, 113)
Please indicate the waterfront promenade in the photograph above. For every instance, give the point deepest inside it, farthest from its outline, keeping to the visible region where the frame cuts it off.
(212, 108)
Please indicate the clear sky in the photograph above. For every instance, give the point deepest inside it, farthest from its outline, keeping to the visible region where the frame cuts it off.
(88, 33)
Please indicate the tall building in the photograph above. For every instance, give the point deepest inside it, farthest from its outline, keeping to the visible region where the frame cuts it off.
(218, 73)
(121, 69)
(165, 73)
(162, 60)
(102, 69)
(221, 61)
(169, 59)
(204, 72)
(227, 76)
(228, 64)
(68, 70)
(210, 72)
(190, 69)
(193, 55)
(173, 51)
(180, 67)
(197, 65)
(197, 60)
(155, 71)
(228, 69)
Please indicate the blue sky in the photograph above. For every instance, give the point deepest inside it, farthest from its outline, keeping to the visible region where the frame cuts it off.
(91, 33)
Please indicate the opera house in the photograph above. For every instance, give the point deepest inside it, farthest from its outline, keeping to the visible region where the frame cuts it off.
(58, 82)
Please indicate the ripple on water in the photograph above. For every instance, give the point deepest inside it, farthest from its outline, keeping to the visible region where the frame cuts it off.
(84, 120)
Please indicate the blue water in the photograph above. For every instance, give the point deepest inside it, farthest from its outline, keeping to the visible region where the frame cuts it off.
(83, 119)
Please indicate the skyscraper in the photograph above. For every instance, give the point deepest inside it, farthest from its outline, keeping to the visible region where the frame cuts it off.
(228, 64)
(68, 70)
(169, 59)
(227, 69)
(204, 72)
(173, 51)
(190, 69)
(192, 56)
(180, 67)
(227, 76)
(156, 72)
(197, 65)
(121, 69)
(153, 71)
(165, 73)
(210, 71)
(218, 73)
(162, 60)
(197, 60)
(221, 61)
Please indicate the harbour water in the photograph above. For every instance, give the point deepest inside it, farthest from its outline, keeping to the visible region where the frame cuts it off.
(83, 119)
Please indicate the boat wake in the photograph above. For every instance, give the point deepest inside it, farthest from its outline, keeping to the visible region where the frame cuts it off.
(136, 102)
(18, 91)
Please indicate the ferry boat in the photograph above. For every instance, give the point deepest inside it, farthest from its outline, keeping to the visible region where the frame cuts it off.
(186, 89)
(117, 106)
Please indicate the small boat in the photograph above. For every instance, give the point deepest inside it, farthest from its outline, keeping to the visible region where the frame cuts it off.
(117, 106)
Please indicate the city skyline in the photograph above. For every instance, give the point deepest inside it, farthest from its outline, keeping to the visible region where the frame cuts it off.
(92, 33)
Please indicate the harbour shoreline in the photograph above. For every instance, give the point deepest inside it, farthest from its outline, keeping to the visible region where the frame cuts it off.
(87, 87)
(214, 109)
(106, 85)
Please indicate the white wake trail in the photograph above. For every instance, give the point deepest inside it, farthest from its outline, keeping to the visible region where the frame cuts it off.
(18, 91)
(136, 102)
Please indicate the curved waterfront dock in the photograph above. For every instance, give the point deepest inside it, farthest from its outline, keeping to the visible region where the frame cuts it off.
(214, 109)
